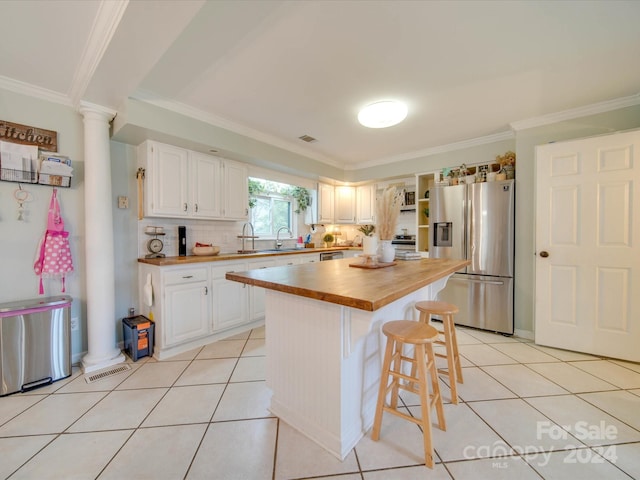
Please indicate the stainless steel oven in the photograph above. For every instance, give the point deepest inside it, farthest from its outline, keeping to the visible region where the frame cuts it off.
(404, 242)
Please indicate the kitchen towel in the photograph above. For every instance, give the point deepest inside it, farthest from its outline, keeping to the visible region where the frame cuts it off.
(54, 254)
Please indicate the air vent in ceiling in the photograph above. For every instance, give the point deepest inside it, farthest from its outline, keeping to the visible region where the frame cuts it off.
(307, 138)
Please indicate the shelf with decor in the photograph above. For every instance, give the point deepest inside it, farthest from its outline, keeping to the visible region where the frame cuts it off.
(29, 155)
(424, 183)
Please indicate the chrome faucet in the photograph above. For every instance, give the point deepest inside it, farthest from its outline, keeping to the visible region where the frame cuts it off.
(278, 242)
(244, 236)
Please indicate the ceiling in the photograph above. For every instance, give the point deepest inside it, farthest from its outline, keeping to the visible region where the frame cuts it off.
(275, 70)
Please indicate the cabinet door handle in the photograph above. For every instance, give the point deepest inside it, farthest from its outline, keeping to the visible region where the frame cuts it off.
(185, 207)
(188, 276)
(206, 290)
(196, 207)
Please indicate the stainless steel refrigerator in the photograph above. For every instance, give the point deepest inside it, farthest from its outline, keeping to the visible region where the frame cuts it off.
(476, 222)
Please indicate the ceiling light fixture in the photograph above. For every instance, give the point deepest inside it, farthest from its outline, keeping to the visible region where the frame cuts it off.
(383, 114)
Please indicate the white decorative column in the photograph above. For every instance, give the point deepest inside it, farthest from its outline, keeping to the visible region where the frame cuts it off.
(99, 258)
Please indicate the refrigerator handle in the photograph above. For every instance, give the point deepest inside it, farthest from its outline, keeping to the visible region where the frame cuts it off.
(467, 230)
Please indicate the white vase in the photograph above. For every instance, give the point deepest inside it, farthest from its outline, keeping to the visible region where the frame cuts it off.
(369, 245)
(387, 252)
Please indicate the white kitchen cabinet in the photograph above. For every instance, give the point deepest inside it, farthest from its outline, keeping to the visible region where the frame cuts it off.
(181, 183)
(257, 294)
(166, 179)
(235, 190)
(345, 204)
(326, 199)
(186, 305)
(230, 299)
(205, 196)
(365, 204)
(309, 257)
(297, 259)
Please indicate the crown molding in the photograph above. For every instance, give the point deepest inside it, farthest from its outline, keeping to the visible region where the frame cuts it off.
(593, 109)
(217, 121)
(34, 91)
(104, 26)
(473, 142)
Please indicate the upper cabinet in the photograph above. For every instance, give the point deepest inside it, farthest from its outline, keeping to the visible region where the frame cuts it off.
(181, 183)
(345, 204)
(235, 190)
(365, 204)
(326, 201)
(206, 201)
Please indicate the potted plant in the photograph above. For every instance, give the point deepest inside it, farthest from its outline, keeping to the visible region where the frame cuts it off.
(507, 164)
(303, 198)
(387, 211)
(369, 242)
(328, 239)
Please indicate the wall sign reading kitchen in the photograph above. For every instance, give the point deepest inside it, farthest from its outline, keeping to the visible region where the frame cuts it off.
(28, 155)
(26, 135)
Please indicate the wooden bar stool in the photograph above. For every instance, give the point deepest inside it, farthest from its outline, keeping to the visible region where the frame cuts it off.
(446, 311)
(399, 333)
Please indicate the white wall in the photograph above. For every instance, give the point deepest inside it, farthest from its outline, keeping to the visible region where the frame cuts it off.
(19, 240)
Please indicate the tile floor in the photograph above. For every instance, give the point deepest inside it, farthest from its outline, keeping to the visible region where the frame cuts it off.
(526, 412)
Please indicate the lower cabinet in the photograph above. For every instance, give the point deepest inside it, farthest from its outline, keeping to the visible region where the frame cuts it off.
(230, 299)
(257, 294)
(186, 297)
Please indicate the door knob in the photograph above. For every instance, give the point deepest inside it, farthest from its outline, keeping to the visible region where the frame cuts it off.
(544, 254)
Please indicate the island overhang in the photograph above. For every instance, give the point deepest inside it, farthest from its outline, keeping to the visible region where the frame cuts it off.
(362, 288)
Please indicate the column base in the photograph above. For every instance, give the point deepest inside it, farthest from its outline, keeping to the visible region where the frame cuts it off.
(90, 364)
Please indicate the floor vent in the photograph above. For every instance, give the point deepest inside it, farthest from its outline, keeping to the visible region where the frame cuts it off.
(94, 377)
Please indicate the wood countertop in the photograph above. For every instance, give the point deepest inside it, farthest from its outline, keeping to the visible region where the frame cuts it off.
(336, 282)
(221, 257)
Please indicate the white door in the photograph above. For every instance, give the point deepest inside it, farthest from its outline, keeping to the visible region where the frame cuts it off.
(587, 295)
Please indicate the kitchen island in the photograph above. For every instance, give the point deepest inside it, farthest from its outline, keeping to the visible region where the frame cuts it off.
(323, 340)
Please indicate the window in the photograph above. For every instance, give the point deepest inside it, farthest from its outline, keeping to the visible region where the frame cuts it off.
(271, 207)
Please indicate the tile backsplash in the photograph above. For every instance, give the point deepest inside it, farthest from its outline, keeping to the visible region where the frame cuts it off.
(225, 234)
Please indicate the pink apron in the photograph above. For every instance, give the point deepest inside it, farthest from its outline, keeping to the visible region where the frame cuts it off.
(54, 258)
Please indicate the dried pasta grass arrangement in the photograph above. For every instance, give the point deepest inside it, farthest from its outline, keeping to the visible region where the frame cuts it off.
(387, 211)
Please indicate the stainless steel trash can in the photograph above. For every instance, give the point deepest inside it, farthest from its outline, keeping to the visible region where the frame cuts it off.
(35, 343)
